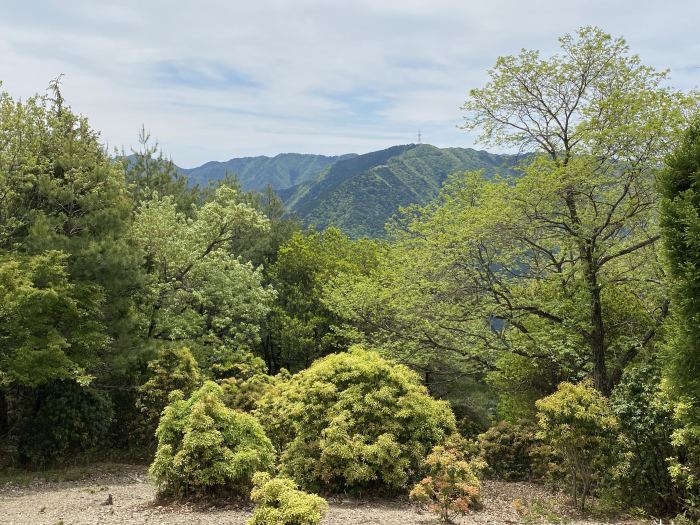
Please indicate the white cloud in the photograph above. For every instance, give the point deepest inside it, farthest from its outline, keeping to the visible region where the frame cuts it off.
(218, 79)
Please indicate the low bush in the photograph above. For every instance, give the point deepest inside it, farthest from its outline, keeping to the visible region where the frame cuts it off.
(67, 419)
(280, 502)
(578, 423)
(507, 448)
(452, 485)
(355, 421)
(208, 449)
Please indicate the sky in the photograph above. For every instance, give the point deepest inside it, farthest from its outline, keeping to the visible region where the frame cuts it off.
(213, 80)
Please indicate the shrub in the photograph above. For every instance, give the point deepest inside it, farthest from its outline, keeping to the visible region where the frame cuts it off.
(244, 394)
(355, 421)
(452, 486)
(578, 423)
(645, 414)
(206, 448)
(175, 368)
(280, 502)
(70, 419)
(507, 448)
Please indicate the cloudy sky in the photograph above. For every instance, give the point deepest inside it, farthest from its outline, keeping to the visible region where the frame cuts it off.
(219, 79)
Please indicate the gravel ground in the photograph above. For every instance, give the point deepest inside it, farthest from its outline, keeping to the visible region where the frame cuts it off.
(81, 503)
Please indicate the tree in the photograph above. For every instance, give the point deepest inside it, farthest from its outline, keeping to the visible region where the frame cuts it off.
(149, 172)
(551, 275)
(301, 326)
(197, 290)
(680, 222)
(602, 122)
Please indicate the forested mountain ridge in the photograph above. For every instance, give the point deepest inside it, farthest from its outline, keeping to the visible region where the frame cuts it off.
(255, 173)
(360, 194)
(357, 193)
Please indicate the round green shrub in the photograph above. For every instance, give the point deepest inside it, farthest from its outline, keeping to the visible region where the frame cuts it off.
(507, 449)
(280, 502)
(70, 419)
(355, 421)
(208, 449)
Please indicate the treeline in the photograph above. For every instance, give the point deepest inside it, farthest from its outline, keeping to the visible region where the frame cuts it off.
(555, 310)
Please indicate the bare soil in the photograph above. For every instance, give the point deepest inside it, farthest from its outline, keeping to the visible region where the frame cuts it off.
(83, 503)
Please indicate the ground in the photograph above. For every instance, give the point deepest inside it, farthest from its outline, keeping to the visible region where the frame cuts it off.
(28, 501)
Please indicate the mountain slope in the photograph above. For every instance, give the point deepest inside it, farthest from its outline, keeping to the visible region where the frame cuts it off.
(255, 173)
(361, 193)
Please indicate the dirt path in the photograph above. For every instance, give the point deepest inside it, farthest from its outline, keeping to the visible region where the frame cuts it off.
(80, 503)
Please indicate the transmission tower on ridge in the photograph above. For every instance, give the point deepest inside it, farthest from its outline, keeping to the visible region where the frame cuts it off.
(419, 137)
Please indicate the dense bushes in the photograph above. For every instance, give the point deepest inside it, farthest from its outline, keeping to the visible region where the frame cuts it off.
(507, 449)
(577, 421)
(644, 445)
(175, 368)
(206, 448)
(452, 485)
(68, 419)
(354, 421)
(280, 502)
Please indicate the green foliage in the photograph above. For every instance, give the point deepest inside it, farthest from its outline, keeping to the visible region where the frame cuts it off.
(174, 368)
(63, 420)
(206, 448)
(302, 325)
(245, 393)
(680, 222)
(354, 421)
(197, 291)
(578, 423)
(280, 502)
(149, 173)
(452, 486)
(507, 448)
(50, 327)
(646, 424)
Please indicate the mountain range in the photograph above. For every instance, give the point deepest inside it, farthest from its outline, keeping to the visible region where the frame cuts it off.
(357, 193)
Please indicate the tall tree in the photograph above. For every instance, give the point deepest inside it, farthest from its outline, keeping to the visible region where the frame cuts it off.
(602, 122)
(555, 267)
(149, 172)
(680, 221)
(197, 291)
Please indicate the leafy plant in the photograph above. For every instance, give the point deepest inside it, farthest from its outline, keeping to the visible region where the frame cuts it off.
(206, 448)
(280, 502)
(578, 423)
(175, 368)
(507, 450)
(452, 485)
(355, 421)
(67, 419)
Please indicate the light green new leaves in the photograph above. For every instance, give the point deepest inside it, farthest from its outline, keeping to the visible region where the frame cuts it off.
(197, 289)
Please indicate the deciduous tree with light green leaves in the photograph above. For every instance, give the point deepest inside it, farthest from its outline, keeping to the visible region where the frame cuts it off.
(554, 274)
(197, 290)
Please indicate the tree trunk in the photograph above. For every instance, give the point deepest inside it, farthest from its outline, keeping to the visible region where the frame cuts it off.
(597, 334)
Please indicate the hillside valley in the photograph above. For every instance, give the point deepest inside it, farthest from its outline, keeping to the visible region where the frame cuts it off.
(357, 193)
